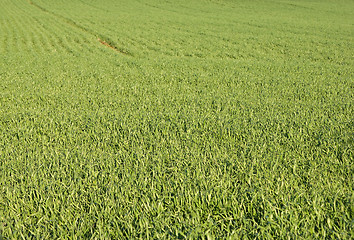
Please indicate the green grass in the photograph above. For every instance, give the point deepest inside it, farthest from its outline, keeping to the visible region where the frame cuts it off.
(212, 119)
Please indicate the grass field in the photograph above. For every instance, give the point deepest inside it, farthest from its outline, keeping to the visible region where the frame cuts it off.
(184, 119)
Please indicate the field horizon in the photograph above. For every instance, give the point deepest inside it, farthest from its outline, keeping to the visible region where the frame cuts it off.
(157, 119)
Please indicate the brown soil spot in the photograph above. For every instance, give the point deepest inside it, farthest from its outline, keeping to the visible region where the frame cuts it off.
(111, 47)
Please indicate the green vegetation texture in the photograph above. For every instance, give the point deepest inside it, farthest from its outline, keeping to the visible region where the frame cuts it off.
(183, 119)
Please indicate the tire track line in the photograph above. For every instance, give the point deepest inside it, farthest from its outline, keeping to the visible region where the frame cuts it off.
(100, 38)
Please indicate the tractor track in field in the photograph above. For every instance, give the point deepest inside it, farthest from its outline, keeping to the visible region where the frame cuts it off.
(99, 37)
(103, 42)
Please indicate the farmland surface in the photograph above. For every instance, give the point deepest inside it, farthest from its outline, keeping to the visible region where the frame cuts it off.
(185, 119)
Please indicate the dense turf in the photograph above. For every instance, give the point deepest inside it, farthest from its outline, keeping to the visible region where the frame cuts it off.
(176, 119)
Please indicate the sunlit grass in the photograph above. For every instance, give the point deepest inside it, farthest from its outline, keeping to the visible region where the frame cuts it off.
(197, 119)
